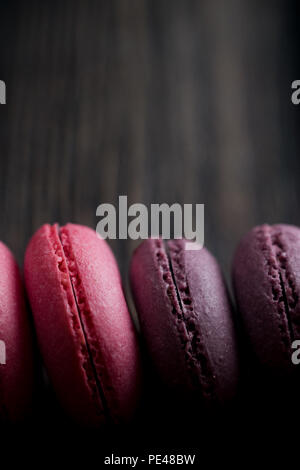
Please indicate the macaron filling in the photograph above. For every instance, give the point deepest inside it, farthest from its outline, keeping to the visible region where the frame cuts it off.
(170, 257)
(80, 311)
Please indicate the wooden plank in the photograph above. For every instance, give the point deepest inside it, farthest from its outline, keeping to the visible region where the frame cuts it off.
(165, 101)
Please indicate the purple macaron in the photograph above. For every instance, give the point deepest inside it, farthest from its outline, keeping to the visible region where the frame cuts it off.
(266, 278)
(186, 319)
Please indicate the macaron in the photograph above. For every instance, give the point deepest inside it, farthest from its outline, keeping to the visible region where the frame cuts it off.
(186, 320)
(84, 329)
(266, 279)
(16, 346)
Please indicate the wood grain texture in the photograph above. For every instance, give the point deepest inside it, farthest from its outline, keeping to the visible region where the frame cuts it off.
(165, 101)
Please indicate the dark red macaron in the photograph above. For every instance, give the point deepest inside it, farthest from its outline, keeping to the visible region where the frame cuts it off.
(186, 319)
(16, 364)
(85, 331)
(266, 278)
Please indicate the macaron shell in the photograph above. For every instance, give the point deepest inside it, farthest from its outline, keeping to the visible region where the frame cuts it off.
(158, 310)
(192, 345)
(59, 333)
(17, 374)
(108, 325)
(259, 280)
(213, 320)
(288, 239)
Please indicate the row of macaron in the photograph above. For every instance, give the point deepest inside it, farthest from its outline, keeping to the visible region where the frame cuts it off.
(89, 344)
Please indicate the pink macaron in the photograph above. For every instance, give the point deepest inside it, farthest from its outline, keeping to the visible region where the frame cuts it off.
(85, 332)
(16, 358)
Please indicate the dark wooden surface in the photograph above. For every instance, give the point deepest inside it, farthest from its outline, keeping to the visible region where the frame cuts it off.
(165, 101)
